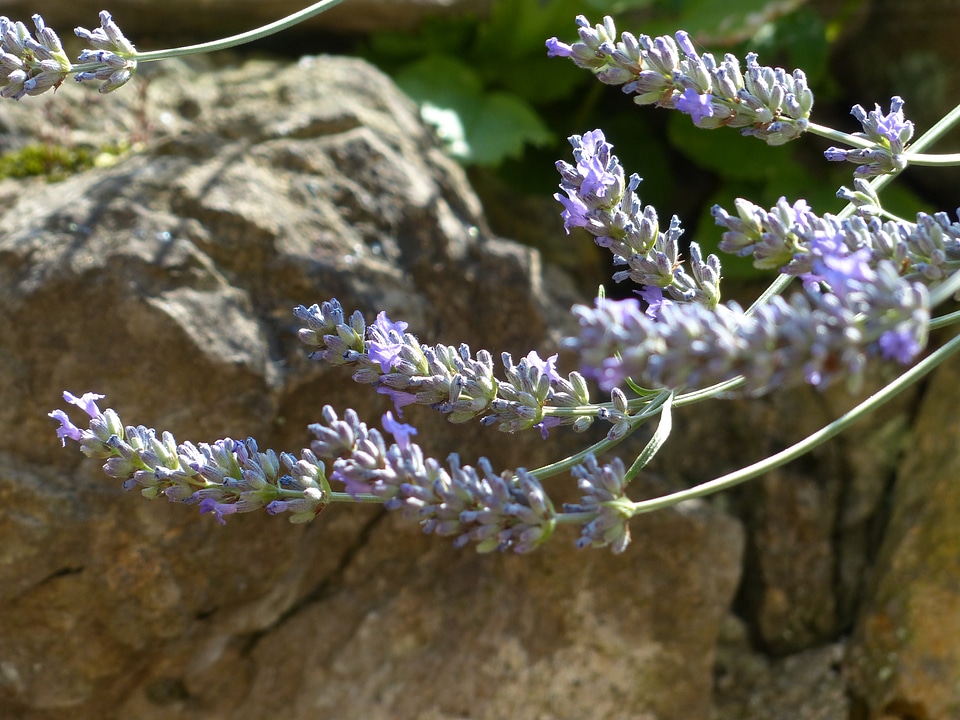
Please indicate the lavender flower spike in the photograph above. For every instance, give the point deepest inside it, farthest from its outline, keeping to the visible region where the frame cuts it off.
(764, 102)
(817, 337)
(597, 199)
(224, 477)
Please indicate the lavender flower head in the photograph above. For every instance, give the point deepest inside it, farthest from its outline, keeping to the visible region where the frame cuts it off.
(596, 198)
(818, 337)
(792, 239)
(451, 380)
(112, 60)
(603, 489)
(498, 512)
(889, 134)
(30, 66)
(764, 102)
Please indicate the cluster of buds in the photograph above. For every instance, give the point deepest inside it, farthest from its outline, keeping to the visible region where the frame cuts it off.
(31, 66)
(603, 492)
(224, 477)
(764, 102)
(597, 199)
(848, 313)
(112, 60)
(888, 134)
(786, 237)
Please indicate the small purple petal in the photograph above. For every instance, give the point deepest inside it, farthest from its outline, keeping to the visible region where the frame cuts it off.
(653, 296)
(836, 265)
(401, 431)
(575, 212)
(545, 425)
(546, 367)
(399, 397)
(208, 505)
(695, 105)
(386, 353)
(86, 402)
(67, 429)
(594, 141)
(385, 324)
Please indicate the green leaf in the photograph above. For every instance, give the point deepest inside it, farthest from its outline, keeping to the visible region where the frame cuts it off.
(510, 49)
(437, 36)
(802, 37)
(478, 127)
(441, 80)
(503, 125)
(660, 436)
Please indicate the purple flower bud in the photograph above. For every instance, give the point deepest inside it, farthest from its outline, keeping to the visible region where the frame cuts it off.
(555, 48)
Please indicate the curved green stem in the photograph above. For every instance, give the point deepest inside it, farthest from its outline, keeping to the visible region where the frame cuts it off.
(945, 320)
(593, 409)
(695, 396)
(837, 136)
(932, 160)
(574, 518)
(947, 290)
(809, 443)
(358, 498)
(601, 447)
(242, 38)
(940, 128)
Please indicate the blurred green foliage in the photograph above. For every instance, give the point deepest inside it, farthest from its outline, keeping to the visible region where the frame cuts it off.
(55, 162)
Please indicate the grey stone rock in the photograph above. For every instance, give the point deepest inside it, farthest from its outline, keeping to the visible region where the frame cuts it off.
(165, 280)
(812, 525)
(806, 685)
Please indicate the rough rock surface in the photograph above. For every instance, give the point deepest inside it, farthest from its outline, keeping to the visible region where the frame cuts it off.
(165, 280)
(905, 658)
